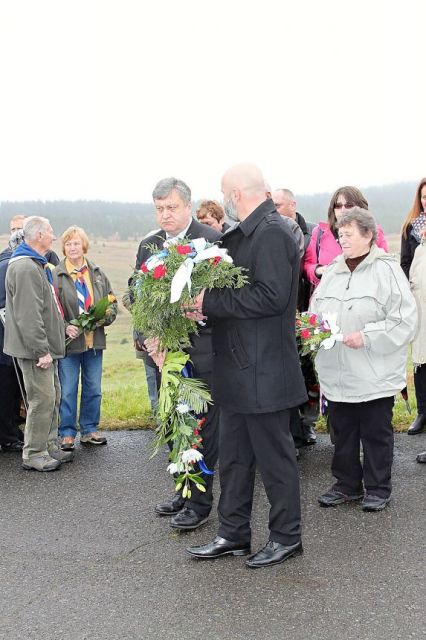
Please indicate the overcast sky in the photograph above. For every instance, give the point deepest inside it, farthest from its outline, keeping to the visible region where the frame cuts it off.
(102, 98)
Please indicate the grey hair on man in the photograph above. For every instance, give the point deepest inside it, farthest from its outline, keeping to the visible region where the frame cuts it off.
(16, 239)
(33, 226)
(287, 193)
(363, 219)
(164, 187)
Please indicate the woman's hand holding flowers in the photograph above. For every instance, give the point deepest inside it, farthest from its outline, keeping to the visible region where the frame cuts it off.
(354, 340)
(72, 331)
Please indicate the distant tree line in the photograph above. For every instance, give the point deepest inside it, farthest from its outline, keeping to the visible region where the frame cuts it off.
(131, 220)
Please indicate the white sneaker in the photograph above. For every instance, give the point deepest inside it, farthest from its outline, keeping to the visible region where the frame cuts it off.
(40, 463)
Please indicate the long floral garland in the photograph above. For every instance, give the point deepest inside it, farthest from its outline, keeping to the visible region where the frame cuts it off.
(165, 285)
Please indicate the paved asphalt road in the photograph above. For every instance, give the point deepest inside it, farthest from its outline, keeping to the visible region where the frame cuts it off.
(82, 556)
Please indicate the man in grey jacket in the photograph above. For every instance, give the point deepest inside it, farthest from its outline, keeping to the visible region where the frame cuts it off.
(34, 334)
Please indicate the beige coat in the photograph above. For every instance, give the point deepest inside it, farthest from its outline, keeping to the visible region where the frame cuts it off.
(418, 287)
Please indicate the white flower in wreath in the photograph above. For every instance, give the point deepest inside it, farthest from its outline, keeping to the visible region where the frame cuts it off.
(182, 407)
(174, 468)
(191, 455)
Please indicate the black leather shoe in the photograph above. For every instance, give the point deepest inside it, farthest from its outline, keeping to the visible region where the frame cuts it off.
(187, 519)
(417, 426)
(309, 435)
(274, 553)
(12, 446)
(333, 497)
(421, 457)
(219, 547)
(374, 503)
(170, 507)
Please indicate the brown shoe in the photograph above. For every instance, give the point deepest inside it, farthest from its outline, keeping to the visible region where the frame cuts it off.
(93, 438)
(67, 443)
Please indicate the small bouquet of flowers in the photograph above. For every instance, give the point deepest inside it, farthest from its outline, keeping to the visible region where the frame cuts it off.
(164, 285)
(95, 315)
(316, 331)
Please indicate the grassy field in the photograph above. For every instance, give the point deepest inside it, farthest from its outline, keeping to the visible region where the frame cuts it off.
(125, 401)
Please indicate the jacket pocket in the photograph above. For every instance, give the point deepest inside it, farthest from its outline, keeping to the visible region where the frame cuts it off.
(237, 350)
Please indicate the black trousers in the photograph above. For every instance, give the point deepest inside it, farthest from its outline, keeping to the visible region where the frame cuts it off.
(262, 440)
(420, 388)
(9, 403)
(369, 423)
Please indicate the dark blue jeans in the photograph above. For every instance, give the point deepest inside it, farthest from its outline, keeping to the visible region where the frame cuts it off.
(90, 364)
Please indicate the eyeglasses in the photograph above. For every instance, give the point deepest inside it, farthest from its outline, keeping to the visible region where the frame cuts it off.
(340, 205)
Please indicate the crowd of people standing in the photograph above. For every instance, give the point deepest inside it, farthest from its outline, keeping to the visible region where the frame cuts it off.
(265, 403)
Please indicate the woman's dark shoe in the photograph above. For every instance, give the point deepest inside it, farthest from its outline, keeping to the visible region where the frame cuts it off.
(374, 503)
(418, 425)
(421, 457)
(332, 498)
(219, 547)
(274, 553)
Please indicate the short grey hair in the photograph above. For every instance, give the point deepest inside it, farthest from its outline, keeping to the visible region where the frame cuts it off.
(16, 239)
(34, 225)
(163, 189)
(287, 193)
(363, 219)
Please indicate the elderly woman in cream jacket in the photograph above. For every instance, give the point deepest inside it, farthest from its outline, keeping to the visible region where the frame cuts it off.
(359, 376)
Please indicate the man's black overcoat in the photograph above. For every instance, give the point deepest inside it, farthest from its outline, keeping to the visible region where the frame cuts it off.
(255, 361)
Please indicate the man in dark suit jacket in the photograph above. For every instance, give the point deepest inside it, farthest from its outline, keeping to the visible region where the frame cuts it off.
(256, 374)
(172, 200)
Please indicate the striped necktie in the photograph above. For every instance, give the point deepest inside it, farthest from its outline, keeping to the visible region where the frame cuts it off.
(83, 294)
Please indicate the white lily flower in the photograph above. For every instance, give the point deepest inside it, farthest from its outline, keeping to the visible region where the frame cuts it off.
(182, 407)
(191, 455)
(173, 468)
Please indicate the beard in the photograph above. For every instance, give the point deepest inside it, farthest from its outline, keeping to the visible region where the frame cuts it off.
(231, 210)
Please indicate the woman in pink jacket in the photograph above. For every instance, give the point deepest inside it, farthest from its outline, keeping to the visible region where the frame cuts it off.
(324, 246)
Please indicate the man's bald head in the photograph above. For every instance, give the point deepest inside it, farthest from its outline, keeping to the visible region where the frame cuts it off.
(243, 187)
(245, 177)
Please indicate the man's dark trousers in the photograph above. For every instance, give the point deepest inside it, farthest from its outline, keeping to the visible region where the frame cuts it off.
(264, 439)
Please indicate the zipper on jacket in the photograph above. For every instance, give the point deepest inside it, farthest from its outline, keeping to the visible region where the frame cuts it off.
(349, 281)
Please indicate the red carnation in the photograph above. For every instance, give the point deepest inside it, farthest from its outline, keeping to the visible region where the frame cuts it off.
(305, 333)
(183, 249)
(216, 260)
(313, 319)
(159, 272)
(201, 421)
(144, 268)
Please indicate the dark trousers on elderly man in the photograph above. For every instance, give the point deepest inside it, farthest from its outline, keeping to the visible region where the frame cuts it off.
(262, 440)
(369, 423)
